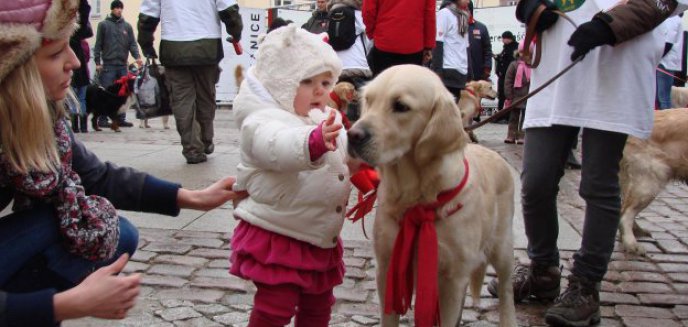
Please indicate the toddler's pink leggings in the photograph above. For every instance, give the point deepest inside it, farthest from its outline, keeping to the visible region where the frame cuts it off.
(275, 305)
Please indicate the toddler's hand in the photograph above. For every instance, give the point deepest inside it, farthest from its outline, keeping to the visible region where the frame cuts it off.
(330, 131)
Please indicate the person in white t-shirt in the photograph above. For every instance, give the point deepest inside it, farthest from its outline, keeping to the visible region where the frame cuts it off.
(450, 55)
(608, 95)
(671, 61)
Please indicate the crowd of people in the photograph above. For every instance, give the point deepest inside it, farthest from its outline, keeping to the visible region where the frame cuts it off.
(64, 243)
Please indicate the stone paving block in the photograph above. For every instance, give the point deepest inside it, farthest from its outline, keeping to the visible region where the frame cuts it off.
(160, 280)
(617, 298)
(172, 270)
(672, 246)
(199, 234)
(355, 262)
(181, 260)
(231, 318)
(669, 258)
(353, 244)
(351, 295)
(680, 288)
(210, 253)
(155, 235)
(173, 303)
(607, 311)
(231, 284)
(355, 273)
(365, 321)
(133, 266)
(632, 265)
(366, 253)
(351, 309)
(167, 247)
(237, 299)
(216, 273)
(202, 242)
(643, 276)
(211, 309)
(191, 294)
(219, 263)
(242, 307)
(644, 287)
(663, 236)
(143, 256)
(681, 311)
(197, 322)
(646, 322)
(663, 299)
(178, 313)
(674, 267)
(643, 311)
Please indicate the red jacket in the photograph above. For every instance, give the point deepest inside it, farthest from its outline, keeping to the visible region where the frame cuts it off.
(400, 26)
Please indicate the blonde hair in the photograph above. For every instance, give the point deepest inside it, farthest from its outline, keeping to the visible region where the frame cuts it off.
(27, 119)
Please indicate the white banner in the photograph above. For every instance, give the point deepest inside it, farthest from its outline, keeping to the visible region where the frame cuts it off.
(255, 24)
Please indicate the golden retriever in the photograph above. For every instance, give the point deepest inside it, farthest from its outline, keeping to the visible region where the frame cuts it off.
(345, 92)
(646, 168)
(469, 102)
(411, 131)
(679, 97)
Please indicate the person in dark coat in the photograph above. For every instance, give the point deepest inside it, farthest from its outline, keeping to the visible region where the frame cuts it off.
(80, 79)
(503, 60)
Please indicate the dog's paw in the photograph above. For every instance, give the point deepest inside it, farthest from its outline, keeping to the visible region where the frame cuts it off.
(634, 248)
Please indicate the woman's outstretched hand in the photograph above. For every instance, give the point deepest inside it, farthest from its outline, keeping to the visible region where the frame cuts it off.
(210, 197)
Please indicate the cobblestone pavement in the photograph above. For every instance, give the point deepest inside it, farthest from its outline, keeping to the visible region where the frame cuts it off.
(185, 279)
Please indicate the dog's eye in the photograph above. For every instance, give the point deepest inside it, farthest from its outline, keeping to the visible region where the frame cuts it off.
(400, 107)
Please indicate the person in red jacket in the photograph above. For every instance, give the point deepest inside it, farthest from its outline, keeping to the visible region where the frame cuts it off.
(403, 32)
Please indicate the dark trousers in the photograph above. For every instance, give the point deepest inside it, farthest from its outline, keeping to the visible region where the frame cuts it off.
(545, 153)
(192, 97)
(379, 60)
(34, 257)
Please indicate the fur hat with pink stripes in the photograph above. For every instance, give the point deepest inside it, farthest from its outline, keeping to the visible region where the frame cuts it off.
(25, 24)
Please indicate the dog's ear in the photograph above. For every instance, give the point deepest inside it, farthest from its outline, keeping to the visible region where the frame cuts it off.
(443, 133)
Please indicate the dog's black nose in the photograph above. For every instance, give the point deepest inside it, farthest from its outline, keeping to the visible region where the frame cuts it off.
(358, 136)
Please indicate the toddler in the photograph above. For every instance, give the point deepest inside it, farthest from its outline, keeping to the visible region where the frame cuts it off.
(293, 168)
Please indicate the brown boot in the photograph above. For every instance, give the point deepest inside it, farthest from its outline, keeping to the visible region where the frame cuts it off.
(539, 282)
(579, 305)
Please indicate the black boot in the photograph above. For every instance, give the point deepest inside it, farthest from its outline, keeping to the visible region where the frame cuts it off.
(579, 305)
(75, 123)
(83, 124)
(537, 281)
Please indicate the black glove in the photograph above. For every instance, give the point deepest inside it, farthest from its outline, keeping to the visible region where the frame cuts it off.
(590, 35)
(233, 23)
(526, 8)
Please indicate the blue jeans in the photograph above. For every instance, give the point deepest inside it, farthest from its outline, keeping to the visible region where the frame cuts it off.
(80, 93)
(32, 237)
(664, 83)
(544, 156)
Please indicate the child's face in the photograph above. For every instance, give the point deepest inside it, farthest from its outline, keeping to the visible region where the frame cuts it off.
(312, 93)
(55, 61)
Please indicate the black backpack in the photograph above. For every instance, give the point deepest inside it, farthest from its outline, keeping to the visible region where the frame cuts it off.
(342, 27)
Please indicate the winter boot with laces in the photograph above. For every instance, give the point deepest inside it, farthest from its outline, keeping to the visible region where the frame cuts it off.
(579, 305)
(537, 281)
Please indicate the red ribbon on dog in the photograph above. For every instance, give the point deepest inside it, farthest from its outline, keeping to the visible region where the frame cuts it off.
(418, 223)
(124, 85)
(366, 181)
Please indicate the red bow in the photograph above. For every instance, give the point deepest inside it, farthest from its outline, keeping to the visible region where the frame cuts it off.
(418, 222)
(124, 85)
(366, 181)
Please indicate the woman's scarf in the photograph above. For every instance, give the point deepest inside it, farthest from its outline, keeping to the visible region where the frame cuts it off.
(462, 17)
(522, 70)
(89, 224)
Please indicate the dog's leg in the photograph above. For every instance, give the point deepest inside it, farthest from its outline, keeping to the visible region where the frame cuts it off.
(630, 243)
(165, 122)
(503, 262)
(636, 198)
(94, 123)
(115, 125)
(384, 235)
(388, 320)
(452, 296)
(141, 123)
(145, 123)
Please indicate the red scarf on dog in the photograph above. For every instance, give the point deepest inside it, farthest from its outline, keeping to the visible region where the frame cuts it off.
(417, 227)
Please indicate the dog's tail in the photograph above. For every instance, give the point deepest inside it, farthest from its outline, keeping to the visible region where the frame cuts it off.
(477, 278)
(238, 75)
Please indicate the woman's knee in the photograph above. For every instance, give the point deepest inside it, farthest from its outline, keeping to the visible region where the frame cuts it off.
(128, 237)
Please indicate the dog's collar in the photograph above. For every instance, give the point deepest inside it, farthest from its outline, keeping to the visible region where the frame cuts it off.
(336, 100)
(476, 99)
(418, 223)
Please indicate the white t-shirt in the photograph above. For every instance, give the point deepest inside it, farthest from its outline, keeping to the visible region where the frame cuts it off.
(612, 89)
(187, 20)
(455, 45)
(673, 30)
(355, 56)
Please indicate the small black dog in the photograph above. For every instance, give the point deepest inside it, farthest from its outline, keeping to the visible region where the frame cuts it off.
(110, 101)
